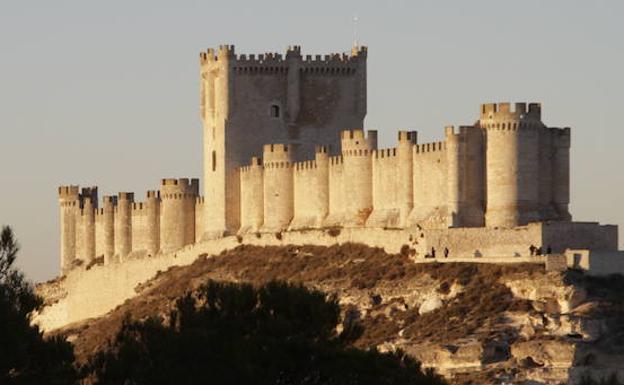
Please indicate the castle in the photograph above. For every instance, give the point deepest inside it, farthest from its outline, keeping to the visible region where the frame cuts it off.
(284, 150)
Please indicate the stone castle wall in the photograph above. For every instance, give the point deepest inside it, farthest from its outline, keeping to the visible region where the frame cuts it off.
(94, 292)
(248, 101)
(438, 185)
(167, 220)
(299, 119)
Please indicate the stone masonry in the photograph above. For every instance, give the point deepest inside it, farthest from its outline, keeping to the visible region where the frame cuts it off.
(285, 149)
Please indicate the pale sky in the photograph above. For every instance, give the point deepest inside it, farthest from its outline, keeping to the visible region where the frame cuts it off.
(106, 92)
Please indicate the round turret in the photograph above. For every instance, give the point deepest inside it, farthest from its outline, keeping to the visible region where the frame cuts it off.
(358, 175)
(123, 225)
(109, 203)
(178, 213)
(152, 222)
(278, 187)
(69, 201)
(512, 162)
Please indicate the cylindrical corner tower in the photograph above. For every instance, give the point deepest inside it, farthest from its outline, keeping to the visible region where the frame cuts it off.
(512, 163)
(69, 201)
(278, 187)
(109, 204)
(358, 175)
(123, 225)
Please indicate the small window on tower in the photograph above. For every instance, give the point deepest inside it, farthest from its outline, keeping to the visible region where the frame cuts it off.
(214, 161)
(275, 111)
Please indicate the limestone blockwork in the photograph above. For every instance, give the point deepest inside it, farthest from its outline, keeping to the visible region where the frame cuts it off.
(299, 119)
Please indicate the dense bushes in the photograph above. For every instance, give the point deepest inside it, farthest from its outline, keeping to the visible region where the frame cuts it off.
(25, 356)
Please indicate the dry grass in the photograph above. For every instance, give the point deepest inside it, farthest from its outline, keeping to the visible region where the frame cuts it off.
(347, 267)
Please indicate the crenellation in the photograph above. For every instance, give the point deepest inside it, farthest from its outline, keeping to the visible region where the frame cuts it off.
(407, 137)
(429, 147)
(286, 161)
(436, 185)
(278, 156)
(337, 160)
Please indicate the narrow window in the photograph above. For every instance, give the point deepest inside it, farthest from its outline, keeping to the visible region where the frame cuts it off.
(275, 111)
(214, 161)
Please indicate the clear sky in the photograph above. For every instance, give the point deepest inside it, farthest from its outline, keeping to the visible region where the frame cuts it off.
(106, 92)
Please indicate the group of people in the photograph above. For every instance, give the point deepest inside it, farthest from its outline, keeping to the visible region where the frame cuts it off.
(538, 251)
(533, 250)
(433, 253)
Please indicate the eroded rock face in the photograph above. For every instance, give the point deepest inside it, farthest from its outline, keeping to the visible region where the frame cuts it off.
(474, 323)
(548, 292)
(430, 304)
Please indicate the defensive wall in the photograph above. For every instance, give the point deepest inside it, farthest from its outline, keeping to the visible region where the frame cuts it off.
(506, 170)
(91, 292)
(461, 182)
(485, 193)
(167, 220)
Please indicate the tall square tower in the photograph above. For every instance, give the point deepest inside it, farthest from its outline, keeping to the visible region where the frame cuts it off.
(248, 101)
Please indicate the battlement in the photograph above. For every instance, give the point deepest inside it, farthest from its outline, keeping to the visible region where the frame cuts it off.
(305, 165)
(293, 50)
(499, 112)
(171, 188)
(153, 194)
(138, 207)
(254, 164)
(276, 63)
(385, 153)
(91, 192)
(194, 186)
(181, 182)
(408, 137)
(109, 200)
(429, 147)
(337, 160)
(450, 131)
(356, 142)
(321, 149)
(69, 192)
(126, 196)
(277, 152)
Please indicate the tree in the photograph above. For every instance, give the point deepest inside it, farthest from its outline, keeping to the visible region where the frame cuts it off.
(228, 333)
(25, 356)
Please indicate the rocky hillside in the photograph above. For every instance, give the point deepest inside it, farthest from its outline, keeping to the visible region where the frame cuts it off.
(475, 323)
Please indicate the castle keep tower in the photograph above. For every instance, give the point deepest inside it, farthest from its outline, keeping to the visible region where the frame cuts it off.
(248, 101)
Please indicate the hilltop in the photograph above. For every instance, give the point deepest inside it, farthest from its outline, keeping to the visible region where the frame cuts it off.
(475, 323)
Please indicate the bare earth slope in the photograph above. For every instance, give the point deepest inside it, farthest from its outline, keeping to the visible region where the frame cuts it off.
(476, 323)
